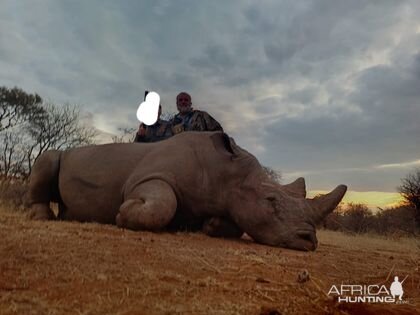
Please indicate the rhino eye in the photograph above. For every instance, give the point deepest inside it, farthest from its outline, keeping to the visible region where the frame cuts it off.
(272, 200)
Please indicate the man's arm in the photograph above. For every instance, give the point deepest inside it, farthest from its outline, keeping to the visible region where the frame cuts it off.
(211, 124)
(141, 134)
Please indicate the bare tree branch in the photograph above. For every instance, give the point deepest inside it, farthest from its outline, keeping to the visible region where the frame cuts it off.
(59, 128)
(125, 136)
(410, 191)
(12, 154)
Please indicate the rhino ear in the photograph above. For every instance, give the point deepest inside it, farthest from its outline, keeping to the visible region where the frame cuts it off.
(297, 188)
(222, 142)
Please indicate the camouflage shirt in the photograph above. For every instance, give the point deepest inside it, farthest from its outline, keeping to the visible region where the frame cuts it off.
(159, 131)
(195, 120)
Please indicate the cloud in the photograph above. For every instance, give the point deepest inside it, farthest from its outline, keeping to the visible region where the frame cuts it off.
(323, 88)
(400, 165)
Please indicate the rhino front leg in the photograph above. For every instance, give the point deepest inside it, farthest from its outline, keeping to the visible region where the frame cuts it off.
(221, 227)
(150, 206)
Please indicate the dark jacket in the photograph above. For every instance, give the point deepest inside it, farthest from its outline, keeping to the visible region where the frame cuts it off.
(195, 120)
(161, 130)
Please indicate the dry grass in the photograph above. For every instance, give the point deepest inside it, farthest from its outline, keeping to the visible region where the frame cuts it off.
(12, 194)
(370, 241)
(73, 268)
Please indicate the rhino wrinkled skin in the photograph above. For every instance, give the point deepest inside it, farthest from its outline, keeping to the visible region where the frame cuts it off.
(195, 180)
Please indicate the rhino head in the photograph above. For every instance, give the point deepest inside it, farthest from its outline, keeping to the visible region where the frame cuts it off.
(274, 214)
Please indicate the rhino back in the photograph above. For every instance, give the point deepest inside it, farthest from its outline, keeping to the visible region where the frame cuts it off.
(91, 180)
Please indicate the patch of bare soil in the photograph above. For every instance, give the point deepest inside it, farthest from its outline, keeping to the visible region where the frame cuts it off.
(73, 268)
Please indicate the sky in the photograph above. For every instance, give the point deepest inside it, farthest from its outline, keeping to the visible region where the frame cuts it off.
(328, 90)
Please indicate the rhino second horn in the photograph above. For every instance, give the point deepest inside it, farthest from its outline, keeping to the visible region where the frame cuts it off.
(325, 204)
(297, 188)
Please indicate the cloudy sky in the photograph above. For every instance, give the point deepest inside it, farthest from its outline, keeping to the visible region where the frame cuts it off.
(328, 90)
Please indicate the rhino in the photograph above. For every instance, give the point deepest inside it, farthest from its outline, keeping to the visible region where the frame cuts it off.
(194, 180)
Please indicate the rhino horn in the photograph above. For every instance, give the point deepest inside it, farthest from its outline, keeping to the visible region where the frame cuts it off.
(325, 204)
(297, 188)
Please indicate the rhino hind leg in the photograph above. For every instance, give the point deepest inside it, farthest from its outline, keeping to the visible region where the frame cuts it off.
(150, 206)
(43, 186)
(221, 227)
(41, 211)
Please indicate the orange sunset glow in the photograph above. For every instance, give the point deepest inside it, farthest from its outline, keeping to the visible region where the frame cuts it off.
(373, 199)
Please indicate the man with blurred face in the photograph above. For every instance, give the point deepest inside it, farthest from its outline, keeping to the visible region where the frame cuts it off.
(189, 119)
(160, 130)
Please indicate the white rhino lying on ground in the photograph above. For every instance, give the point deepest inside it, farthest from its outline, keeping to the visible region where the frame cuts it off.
(195, 180)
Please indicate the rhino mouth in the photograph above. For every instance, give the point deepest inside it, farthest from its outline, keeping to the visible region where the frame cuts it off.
(304, 240)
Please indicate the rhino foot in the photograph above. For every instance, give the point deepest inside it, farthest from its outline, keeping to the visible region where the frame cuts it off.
(221, 227)
(42, 212)
(151, 206)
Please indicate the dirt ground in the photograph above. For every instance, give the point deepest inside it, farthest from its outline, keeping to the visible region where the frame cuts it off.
(73, 268)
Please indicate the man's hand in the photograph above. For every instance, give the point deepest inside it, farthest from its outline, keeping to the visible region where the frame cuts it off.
(142, 130)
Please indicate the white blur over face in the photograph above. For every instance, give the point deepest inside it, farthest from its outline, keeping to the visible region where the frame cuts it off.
(148, 110)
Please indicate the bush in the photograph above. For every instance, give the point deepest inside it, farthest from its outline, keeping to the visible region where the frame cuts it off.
(12, 193)
(399, 220)
(358, 218)
(354, 218)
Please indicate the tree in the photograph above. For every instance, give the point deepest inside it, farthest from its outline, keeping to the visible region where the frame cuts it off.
(126, 135)
(410, 191)
(350, 218)
(357, 217)
(12, 154)
(57, 128)
(16, 109)
(17, 106)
